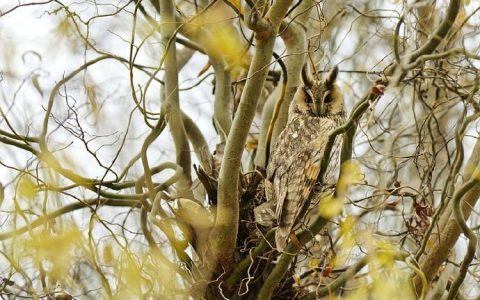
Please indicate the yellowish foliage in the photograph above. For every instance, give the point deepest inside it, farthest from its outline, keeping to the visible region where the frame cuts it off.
(391, 284)
(131, 280)
(252, 143)
(385, 253)
(430, 244)
(142, 272)
(62, 161)
(108, 256)
(227, 45)
(389, 279)
(386, 277)
(194, 214)
(350, 174)
(357, 294)
(55, 251)
(236, 3)
(296, 279)
(26, 188)
(217, 34)
(347, 225)
(347, 243)
(65, 28)
(330, 206)
(313, 263)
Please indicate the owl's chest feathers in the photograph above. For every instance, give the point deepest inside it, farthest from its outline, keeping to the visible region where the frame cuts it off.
(306, 132)
(301, 138)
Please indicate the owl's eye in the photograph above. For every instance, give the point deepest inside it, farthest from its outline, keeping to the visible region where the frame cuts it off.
(308, 95)
(327, 98)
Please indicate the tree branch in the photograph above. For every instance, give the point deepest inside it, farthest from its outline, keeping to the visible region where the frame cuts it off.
(64, 210)
(172, 102)
(449, 231)
(224, 234)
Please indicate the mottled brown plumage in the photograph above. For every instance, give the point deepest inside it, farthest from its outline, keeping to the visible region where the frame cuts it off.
(293, 170)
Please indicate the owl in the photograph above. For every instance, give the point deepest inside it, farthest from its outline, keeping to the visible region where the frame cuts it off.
(317, 109)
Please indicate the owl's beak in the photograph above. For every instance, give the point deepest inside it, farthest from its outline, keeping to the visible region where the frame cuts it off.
(319, 108)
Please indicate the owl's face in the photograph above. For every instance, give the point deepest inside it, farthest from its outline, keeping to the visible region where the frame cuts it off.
(320, 97)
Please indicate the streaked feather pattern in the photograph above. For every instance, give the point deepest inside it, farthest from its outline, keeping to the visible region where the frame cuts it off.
(295, 165)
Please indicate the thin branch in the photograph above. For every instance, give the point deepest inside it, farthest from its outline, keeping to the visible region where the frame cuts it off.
(172, 103)
(64, 210)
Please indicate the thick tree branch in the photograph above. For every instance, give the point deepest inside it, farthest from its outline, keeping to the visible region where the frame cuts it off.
(224, 234)
(449, 231)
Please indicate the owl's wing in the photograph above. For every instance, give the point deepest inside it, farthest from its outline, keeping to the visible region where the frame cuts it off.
(298, 187)
(276, 170)
(265, 213)
(297, 184)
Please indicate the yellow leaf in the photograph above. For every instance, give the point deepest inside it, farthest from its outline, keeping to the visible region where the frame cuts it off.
(430, 243)
(346, 225)
(194, 214)
(108, 253)
(236, 3)
(225, 43)
(313, 263)
(26, 188)
(330, 206)
(64, 28)
(296, 279)
(385, 253)
(350, 173)
(55, 249)
(131, 280)
(252, 143)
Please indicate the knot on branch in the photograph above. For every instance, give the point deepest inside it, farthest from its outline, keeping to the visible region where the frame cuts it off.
(262, 27)
(379, 88)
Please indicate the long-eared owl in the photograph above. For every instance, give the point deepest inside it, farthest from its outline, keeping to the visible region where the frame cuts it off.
(317, 110)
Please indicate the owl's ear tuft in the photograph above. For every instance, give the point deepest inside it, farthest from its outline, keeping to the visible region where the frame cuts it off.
(331, 76)
(307, 78)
